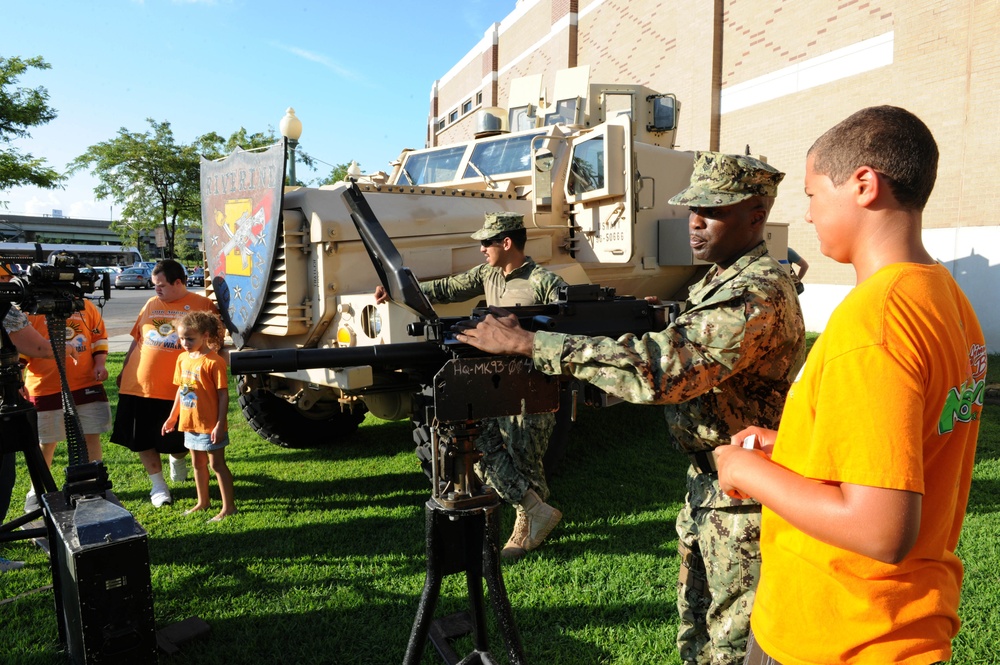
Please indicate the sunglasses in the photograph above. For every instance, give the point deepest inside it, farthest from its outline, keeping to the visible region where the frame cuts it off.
(491, 241)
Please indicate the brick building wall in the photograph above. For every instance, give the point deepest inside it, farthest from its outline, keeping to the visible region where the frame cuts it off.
(775, 74)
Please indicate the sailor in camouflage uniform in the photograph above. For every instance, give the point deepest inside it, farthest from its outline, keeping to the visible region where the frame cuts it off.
(512, 447)
(723, 364)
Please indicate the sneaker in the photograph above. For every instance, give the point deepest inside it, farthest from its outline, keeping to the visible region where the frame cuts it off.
(160, 497)
(31, 501)
(8, 565)
(178, 469)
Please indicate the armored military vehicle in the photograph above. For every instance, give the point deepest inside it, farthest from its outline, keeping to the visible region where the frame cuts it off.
(591, 173)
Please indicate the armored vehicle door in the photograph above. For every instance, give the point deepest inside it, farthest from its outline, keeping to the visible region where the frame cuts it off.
(600, 191)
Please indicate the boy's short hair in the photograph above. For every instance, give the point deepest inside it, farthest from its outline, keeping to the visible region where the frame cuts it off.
(171, 271)
(891, 140)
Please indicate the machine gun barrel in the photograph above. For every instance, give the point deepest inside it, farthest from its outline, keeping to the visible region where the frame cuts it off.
(411, 355)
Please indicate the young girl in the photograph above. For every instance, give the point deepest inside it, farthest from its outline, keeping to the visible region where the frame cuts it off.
(201, 405)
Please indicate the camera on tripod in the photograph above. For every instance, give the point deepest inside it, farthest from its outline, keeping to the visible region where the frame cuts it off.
(98, 552)
(57, 287)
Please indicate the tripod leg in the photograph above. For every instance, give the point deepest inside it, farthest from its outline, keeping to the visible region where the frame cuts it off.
(474, 579)
(429, 597)
(498, 591)
(20, 429)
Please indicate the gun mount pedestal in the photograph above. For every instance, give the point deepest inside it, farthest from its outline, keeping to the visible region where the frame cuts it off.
(463, 535)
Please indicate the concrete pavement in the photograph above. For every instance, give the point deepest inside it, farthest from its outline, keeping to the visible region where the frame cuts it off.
(119, 343)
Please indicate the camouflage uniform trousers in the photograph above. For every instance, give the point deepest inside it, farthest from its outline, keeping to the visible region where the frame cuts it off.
(513, 448)
(720, 567)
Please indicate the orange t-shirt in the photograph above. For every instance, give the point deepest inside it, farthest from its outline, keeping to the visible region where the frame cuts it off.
(199, 380)
(890, 397)
(150, 366)
(85, 331)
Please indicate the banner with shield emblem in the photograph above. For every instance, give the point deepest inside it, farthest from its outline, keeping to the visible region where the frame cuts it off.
(241, 198)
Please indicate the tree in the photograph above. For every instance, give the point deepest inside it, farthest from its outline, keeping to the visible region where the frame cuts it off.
(153, 178)
(20, 109)
(213, 146)
(338, 174)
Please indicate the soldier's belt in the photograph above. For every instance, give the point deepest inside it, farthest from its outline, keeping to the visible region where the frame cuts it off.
(703, 461)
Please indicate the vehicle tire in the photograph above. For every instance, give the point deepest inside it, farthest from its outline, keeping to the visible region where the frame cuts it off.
(149, 285)
(118, 288)
(279, 422)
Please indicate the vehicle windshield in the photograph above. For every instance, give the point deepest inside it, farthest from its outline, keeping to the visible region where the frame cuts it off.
(506, 155)
(428, 167)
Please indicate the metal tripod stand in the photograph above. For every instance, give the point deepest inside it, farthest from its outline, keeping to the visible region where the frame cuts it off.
(19, 423)
(463, 535)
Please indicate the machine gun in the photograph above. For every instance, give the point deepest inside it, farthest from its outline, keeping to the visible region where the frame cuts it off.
(458, 387)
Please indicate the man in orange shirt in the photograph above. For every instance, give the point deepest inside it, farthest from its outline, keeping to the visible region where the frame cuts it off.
(146, 387)
(866, 481)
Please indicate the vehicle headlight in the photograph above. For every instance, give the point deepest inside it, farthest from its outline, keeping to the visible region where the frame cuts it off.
(345, 336)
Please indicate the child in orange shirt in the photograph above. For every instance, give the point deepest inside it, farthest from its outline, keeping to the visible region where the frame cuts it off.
(866, 481)
(201, 407)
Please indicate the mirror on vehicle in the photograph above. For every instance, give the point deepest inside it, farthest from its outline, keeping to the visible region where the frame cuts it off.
(544, 161)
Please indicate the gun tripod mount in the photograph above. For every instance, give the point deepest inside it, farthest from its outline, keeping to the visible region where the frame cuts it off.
(462, 515)
(463, 535)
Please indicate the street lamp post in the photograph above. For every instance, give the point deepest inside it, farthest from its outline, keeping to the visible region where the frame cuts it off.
(291, 129)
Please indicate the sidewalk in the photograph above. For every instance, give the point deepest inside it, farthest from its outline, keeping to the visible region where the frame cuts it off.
(119, 343)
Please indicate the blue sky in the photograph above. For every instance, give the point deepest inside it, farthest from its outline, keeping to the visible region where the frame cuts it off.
(358, 74)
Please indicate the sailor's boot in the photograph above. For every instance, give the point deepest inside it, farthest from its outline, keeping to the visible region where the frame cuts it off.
(535, 520)
(512, 549)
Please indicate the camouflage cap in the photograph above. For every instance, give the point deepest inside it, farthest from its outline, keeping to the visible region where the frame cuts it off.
(721, 180)
(499, 222)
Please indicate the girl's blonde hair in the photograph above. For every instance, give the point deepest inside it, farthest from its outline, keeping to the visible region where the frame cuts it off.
(205, 323)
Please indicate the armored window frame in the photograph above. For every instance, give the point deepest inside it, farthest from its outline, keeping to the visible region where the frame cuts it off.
(431, 166)
(597, 166)
(509, 154)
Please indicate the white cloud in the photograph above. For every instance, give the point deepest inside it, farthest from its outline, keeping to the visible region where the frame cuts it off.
(76, 200)
(327, 62)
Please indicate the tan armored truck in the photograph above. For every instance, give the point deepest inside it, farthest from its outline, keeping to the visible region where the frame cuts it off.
(591, 174)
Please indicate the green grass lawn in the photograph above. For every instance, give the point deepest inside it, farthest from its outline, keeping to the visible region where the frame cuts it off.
(325, 561)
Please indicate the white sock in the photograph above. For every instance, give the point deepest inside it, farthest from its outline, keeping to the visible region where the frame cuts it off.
(158, 482)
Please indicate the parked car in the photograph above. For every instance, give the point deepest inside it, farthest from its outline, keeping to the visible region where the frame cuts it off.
(98, 279)
(137, 278)
(196, 277)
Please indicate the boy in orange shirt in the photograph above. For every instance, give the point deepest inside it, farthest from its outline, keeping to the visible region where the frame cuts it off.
(866, 481)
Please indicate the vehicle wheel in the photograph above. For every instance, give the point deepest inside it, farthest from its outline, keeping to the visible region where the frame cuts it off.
(279, 422)
(119, 288)
(149, 284)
